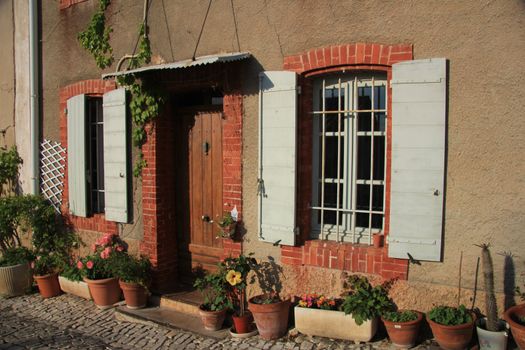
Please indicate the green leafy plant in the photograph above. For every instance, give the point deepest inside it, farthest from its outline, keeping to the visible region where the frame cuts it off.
(365, 302)
(71, 272)
(45, 264)
(10, 162)
(449, 315)
(400, 316)
(16, 256)
(132, 269)
(236, 273)
(226, 225)
(95, 38)
(213, 287)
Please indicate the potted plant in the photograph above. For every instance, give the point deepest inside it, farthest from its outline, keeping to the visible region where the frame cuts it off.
(134, 275)
(515, 316)
(236, 272)
(492, 332)
(98, 271)
(269, 310)
(319, 315)
(365, 303)
(70, 280)
(452, 326)
(402, 327)
(15, 273)
(45, 272)
(216, 302)
(226, 225)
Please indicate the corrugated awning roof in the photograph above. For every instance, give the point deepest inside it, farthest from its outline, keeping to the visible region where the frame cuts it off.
(199, 61)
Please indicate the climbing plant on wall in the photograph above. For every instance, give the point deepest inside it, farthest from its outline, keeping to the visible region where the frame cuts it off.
(95, 38)
(146, 100)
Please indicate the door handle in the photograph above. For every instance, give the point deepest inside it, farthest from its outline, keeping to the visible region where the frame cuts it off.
(207, 219)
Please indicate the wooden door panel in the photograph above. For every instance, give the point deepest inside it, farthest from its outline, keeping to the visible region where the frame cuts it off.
(202, 248)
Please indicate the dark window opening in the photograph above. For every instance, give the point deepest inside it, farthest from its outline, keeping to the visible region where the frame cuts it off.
(95, 150)
(203, 97)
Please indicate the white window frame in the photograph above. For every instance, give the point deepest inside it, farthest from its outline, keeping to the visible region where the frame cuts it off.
(347, 113)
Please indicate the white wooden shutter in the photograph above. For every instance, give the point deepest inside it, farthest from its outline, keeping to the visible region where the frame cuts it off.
(277, 185)
(76, 155)
(418, 158)
(115, 156)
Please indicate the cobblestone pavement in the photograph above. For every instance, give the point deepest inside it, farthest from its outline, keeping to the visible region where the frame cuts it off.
(69, 322)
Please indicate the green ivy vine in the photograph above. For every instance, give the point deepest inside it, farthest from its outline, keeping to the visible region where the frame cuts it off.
(95, 38)
(146, 100)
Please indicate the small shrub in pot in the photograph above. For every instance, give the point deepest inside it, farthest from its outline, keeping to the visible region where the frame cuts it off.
(452, 326)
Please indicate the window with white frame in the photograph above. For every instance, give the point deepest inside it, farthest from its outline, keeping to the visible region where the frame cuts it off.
(98, 163)
(349, 157)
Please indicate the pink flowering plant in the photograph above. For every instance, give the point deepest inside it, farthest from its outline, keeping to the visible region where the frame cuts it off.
(45, 263)
(315, 301)
(100, 263)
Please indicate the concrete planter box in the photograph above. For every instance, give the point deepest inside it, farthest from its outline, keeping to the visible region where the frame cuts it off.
(333, 324)
(15, 280)
(79, 289)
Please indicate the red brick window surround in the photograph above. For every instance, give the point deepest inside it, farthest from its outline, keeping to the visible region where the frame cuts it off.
(330, 254)
(94, 87)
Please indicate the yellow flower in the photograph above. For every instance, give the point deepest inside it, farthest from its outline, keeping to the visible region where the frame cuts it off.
(233, 277)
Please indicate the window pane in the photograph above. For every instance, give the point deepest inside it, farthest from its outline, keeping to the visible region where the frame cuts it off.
(379, 121)
(363, 197)
(330, 166)
(379, 157)
(332, 99)
(377, 198)
(361, 220)
(363, 118)
(377, 221)
(379, 97)
(363, 157)
(330, 122)
(330, 200)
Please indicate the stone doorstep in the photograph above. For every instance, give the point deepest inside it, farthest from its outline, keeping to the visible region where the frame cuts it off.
(185, 302)
(170, 318)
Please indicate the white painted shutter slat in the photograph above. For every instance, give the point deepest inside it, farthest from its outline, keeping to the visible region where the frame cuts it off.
(418, 159)
(76, 155)
(278, 118)
(115, 156)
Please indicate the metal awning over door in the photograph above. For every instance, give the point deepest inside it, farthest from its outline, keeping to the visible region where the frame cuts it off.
(199, 61)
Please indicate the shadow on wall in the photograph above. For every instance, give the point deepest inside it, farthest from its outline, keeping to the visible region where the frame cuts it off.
(268, 274)
(509, 279)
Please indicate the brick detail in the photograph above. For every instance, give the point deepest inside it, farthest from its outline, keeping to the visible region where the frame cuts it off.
(348, 55)
(347, 257)
(94, 87)
(158, 189)
(64, 4)
(341, 256)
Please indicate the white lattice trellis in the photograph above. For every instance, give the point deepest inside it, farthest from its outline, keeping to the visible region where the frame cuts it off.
(52, 156)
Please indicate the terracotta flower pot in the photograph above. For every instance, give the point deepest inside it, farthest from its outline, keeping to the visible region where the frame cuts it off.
(48, 285)
(403, 334)
(136, 296)
(512, 315)
(453, 337)
(243, 324)
(105, 292)
(15, 280)
(271, 319)
(377, 240)
(212, 320)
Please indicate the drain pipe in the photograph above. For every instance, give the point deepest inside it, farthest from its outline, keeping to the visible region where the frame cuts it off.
(34, 99)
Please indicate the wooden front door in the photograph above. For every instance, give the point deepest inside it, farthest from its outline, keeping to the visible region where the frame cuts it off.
(199, 209)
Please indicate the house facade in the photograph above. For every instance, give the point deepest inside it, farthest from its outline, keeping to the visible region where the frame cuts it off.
(320, 124)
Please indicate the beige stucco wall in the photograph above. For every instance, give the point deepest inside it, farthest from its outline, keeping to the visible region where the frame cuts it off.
(484, 42)
(7, 73)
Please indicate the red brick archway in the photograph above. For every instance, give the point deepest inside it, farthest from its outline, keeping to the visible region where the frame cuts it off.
(329, 254)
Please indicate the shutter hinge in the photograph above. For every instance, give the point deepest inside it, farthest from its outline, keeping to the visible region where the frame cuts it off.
(65, 111)
(260, 188)
(299, 90)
